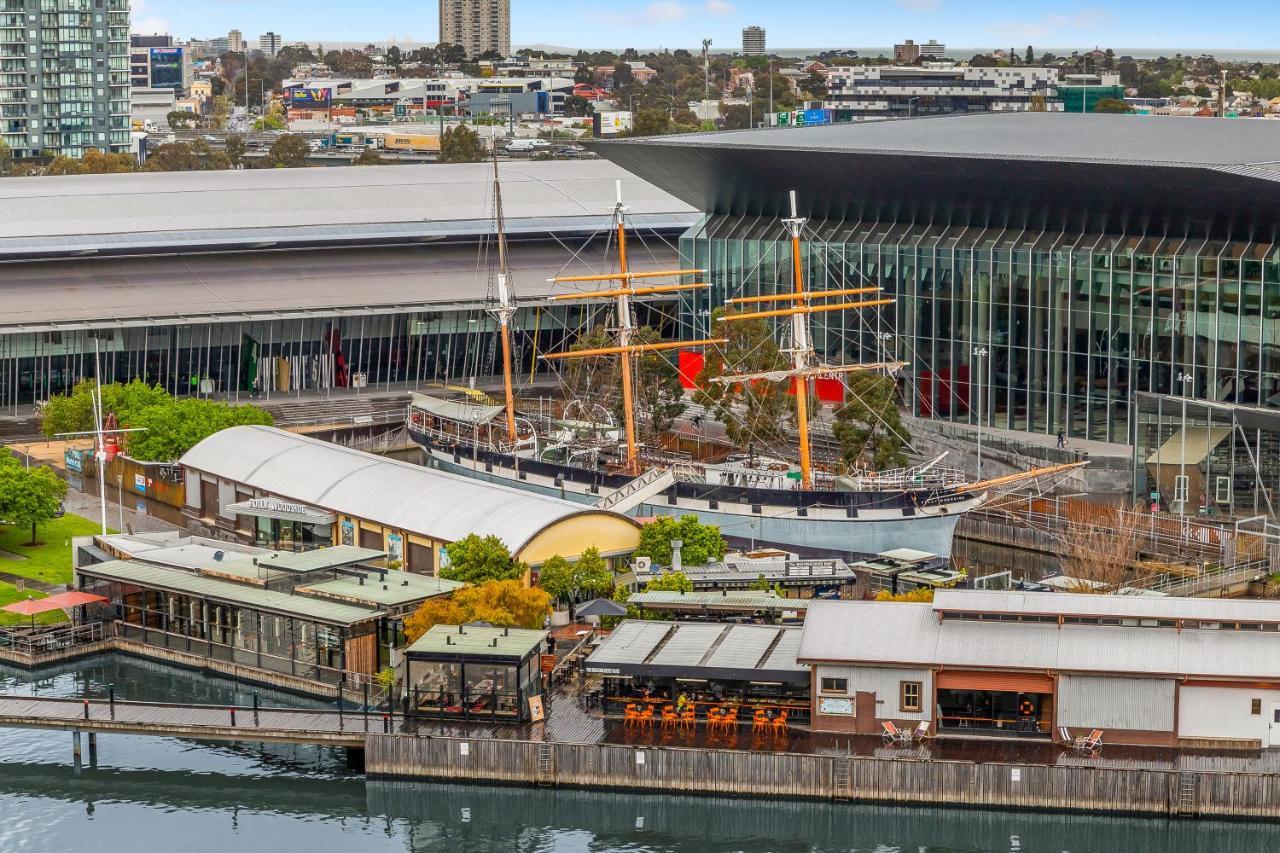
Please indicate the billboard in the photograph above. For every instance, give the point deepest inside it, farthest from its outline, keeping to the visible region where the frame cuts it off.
(166, 68)
(309, 99)
(818, 116)
(611, 123)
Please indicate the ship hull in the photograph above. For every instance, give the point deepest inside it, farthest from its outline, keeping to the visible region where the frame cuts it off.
(929, 527)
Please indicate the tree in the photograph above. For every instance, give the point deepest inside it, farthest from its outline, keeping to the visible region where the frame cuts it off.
(234, 147)
(64, 165)
(701, 543)
(182, 119)
(29, 496)
(369, 157)
(478, 559)
(507, 604)
(755, 411)
(658, 392)
(1031, 56)
(815, 84)
(269, 122)
(461, 144)
(735, 116)
(6, 158)
(583, 74)
(288, 152)
(670, 582)
(565, 581)
(172, 157)
(97, 163)
(577, 106)
(175, 427)
(450, 54)
(1111, 105)
(869, 426)
(650, 122)
(919, 594)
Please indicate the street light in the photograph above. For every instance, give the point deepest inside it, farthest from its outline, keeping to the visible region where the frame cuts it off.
(1187, 379)
(979, 353)
(882, 346)
(910, 106)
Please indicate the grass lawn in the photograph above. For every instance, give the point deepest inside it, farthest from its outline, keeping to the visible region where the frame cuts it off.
(50, 562)
(9, 594)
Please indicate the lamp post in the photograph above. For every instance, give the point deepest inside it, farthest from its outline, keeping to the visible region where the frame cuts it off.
(911, 102)
(979, 353)
(882, 345)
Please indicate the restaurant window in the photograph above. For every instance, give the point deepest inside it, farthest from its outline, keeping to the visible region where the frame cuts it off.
(1255, 707)
(835, 685)
(910, 693)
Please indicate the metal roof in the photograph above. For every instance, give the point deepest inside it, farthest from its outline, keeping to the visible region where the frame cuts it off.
(335, 556)
(456, 410)
(272, 285)
(477, 641)
(401, 495)
(700, 650)
(230, 592)
(87, 213)
(895, 633)
(737, 600)
(1033, 136)
(396, 589)
(1134, 606)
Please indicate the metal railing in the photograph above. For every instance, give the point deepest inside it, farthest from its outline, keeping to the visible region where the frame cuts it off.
(38, 641)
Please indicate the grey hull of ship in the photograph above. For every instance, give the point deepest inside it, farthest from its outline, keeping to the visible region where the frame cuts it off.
(932, 534)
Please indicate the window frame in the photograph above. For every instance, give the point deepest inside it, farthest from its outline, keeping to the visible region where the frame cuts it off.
(903, 704)
(823, 688)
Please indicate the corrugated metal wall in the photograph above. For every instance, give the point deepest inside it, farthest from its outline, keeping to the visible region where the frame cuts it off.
(1143, 704)
(885, 682)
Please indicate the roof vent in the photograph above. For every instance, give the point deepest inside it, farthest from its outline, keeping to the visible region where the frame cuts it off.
(462, 629)
(506, 632)
(362, 580)
(494, 642)
(404, 583)
(384, 587)
(448, 639)
(217, 556)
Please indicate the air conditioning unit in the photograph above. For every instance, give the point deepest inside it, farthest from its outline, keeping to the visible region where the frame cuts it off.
(642, 565)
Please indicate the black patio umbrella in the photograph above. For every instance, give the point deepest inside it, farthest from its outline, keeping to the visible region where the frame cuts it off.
(600, 607)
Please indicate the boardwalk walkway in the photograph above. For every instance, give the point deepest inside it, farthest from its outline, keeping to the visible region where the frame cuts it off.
(327, 728)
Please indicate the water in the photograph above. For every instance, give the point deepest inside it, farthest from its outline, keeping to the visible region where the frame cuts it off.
(154, 794)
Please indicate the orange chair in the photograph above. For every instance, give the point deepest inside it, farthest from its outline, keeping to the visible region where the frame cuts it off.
(669, 718)
(730, 718)
(759, 720)
(630, 717)
(688, 718)
(646, 718)
(780, 723)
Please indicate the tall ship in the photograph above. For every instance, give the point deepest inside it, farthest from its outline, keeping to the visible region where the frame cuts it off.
(577, 451)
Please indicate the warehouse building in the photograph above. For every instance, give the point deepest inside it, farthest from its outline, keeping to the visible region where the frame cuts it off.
(1149, 671)
(409, 511)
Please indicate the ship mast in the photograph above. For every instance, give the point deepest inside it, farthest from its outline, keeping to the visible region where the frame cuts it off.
(804, 363)
(505, 307)
(625, 349)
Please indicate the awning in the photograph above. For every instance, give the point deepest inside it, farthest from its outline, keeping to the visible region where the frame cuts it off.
(1189, 446)
(282, 510)
(456, 410)
(61, 601)
(997, 682)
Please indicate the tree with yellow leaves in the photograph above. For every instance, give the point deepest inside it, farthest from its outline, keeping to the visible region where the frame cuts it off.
(507, 604)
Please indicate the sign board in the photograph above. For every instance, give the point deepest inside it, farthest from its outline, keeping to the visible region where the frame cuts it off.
(831, 705)
(395, 546)
(536, 712)
(818, 116)
(309, 99)
(611, 123)
(347, 532)
(74, 461)
(640, 757)
(464, 748)
(1015, 774)
(140, 483)
(782, 119)
(547, 662)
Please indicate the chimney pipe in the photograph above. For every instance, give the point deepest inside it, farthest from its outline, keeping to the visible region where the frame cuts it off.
(676, 563)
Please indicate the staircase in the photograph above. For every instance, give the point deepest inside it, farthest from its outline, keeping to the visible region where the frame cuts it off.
(651, 483)
(1188, 788)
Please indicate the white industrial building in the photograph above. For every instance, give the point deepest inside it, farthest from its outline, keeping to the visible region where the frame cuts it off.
(891, 91)
(1155, 671)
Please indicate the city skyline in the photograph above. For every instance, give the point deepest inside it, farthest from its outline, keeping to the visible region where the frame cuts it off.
(683, 23)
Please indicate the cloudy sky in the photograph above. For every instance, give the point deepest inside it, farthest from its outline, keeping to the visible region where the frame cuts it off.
(1226, 24)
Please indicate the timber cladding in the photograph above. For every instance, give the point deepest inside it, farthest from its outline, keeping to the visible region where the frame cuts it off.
(804, 776)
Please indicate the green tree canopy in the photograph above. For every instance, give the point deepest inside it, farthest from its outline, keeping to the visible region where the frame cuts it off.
(29, 496)
(478, 559)
(650, 122)
(173, 157)
(1111, 105)
(182, 119)
(6, 158)
(288, 152)
(369, 157)
(869, 426)
(64, 165)
(670, 582)
(567, 581)
(702, 543)
(752, 412)
(234, 148)
(461, 144)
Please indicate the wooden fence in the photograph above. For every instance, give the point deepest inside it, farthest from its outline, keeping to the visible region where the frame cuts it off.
(801, 776)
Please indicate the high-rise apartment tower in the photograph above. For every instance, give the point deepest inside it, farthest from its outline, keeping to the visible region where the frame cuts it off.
(753, 41)
(480, 26)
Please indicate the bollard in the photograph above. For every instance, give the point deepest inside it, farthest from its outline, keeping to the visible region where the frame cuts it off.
(75, 752)
(386, 724)
(93, 750)
(86, 709)
(233, 717)
(255, 708)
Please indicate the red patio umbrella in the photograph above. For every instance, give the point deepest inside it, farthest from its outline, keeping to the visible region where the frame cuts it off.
(61, 601)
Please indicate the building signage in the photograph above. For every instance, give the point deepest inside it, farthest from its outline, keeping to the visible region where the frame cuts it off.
(282, 510)
(829, 705)
(348, 532)
(140, 483)
(166, 68)
(74, 461)
(395, 547)
(309, 99)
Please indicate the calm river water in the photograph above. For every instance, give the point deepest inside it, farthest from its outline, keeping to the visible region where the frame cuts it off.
(152, 794)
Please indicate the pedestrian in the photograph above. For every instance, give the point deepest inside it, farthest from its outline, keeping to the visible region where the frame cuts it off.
(1062, 439)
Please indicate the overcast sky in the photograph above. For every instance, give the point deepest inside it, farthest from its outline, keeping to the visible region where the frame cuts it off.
(1226, 24)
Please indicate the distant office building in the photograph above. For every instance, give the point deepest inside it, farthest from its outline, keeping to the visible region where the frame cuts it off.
(219, 46)
(933, 50)
(480, 26)
(1080, 93)
(235, 41)
(269, 43)
(753, 41)
(907, 52)
(157, 62)
(895, 91)
(62, 90)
